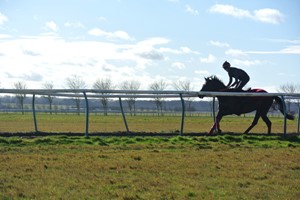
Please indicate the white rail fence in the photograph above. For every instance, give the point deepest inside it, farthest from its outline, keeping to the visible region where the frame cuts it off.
(122, 94)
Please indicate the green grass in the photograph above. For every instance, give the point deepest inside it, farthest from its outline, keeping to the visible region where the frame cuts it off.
(160, 124)
(226, 139)
(227, 166)
(218, 167)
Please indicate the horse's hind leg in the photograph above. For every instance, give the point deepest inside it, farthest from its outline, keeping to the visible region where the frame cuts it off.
(267, 121)
(216, 125)
(254, 122)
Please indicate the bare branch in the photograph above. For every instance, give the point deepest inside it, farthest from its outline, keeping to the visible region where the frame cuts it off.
(104, 84)
(76, 82)
(20, 97)
(158, 86)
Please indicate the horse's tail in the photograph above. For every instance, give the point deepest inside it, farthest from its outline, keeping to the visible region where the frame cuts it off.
(280, 103)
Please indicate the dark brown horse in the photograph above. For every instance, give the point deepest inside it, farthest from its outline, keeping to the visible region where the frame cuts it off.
(229, 105)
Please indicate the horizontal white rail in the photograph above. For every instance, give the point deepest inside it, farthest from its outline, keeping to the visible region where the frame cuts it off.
(137, 93)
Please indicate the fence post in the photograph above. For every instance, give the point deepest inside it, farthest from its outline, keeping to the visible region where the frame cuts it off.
(298, 118)
(284, 114)
(182, 114)
(34, 113)
(123, 115)
(86, 115)
(214, 112)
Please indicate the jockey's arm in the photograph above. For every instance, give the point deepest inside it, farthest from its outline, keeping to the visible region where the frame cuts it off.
(230, 81)
(235, 82)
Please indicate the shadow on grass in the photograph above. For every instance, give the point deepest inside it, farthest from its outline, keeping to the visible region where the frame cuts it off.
(227, 137)
(128, 134)
(254, 139)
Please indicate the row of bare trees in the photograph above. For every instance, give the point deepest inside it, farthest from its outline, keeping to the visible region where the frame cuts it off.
(290, 88)
(76, 82)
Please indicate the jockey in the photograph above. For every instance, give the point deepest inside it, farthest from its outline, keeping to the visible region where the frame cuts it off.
(240, 76)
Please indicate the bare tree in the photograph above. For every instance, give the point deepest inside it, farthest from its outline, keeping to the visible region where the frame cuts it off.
(289, 88)
(131, 85)
(49, 86)
(159, 86)
(76, 82)
(20, 86)
(184, 86)
(104, 84)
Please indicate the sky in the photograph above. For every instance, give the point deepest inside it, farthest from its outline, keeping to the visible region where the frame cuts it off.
(146, 41)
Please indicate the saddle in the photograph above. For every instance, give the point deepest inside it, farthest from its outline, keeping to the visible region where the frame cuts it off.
(238, 90)
(247, 90)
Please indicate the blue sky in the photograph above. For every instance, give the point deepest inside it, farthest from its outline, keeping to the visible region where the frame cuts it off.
(170, 40)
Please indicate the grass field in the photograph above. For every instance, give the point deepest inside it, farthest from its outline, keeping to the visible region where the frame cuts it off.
(160, 124)
(219, 167)
(227, 166)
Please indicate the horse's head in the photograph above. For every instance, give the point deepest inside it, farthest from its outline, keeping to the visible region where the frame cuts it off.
(212, 84)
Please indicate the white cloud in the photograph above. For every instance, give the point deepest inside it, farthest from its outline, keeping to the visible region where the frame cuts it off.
(122, 35)
(202, 72)
(74, 24)
(110, 35)
(103, 19)
(235, 52)
(246, 62)
(178, 65)
(182, 50)
(154, 41)
(188, 50)
(210, 59)
(3, 19)
(219, 44)
(266, 15)
(291, 50)
(191, 10)
(230, 10)
(98, 32)
(51, 25)
(5, 36)
(89, 59)
(287, 50)
(152, 55)
(283, 41)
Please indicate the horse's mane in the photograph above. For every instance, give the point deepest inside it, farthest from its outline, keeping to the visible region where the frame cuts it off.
(220, 82)
(215, 78)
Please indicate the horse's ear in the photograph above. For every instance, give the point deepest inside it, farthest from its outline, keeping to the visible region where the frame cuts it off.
(206, 79)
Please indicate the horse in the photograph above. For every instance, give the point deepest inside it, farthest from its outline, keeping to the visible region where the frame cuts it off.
(238, 105)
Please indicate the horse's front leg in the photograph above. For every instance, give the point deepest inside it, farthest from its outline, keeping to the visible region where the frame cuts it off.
(216, 125)
(212, 129)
